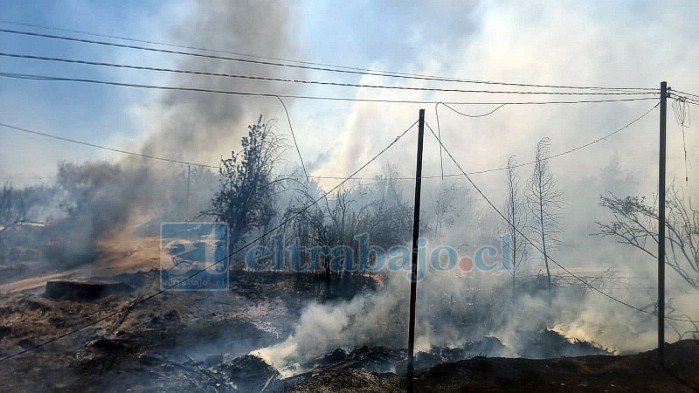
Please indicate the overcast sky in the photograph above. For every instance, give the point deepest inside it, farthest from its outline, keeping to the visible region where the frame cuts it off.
(592, 43)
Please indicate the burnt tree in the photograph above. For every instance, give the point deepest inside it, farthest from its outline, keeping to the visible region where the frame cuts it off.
(544, 203)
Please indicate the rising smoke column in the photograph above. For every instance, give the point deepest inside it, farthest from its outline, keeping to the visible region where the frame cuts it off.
(199, 127)
(202, 125)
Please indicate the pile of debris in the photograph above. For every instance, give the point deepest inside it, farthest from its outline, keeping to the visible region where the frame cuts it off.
(547, 344)
(488, 346)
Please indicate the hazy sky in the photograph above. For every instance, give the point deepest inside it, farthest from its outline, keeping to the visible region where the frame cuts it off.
(624, 43)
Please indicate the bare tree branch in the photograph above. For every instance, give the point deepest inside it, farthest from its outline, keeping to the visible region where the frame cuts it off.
(635, 222)
(544, 203)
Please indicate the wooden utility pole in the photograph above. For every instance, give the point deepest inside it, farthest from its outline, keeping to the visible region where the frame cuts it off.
(416, 235)
(661, 223)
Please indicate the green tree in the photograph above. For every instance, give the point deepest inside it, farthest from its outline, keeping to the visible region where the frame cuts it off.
(245, 199)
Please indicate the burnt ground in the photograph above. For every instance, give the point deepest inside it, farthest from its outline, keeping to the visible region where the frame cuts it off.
(93, 334)
(88, 340)
(631, 373)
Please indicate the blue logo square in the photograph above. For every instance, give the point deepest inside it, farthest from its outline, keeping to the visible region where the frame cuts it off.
(194, 256)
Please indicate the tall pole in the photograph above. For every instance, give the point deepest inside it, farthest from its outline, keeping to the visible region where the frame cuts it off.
(661, 224)
(416, 234)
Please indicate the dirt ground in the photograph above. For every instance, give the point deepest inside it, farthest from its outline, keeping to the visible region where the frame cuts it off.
(198, 341)
(116, 353)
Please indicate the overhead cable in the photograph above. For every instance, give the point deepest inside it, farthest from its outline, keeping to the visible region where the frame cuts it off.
(310, 67)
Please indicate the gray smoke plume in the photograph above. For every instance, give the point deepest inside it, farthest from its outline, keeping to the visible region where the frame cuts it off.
(199, 127)
(195, 125)
(98, 198)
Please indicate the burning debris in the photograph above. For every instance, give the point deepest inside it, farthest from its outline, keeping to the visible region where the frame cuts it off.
(546, 344)
(251, 373)
(490, 346)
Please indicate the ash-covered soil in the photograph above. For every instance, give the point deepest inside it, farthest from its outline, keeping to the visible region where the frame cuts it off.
(69, 338)
(201, 341)
(595, 373)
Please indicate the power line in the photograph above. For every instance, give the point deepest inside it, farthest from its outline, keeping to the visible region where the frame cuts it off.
(315, 68)
(365, 70)
(575, 148)
(439, 129)
(61, 138)
(300, 157)
(583, 281)
(346, 179)
(694, 96)
(316, 82)
(305, 97)
(689, 98)
(77, 329)
(600, 139)
(293, 136)
(191, 47)
(466, 114)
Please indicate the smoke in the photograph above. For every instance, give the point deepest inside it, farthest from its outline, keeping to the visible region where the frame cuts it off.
(197, 125)
(446, 317)
(367, 319)
(201, 127)
(98, 198)
(108, 198)
(456, 309)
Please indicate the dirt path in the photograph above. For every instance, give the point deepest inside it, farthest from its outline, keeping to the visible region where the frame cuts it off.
(126, 255)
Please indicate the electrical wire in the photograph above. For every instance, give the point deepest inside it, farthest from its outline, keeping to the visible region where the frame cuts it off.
(316, 68)
(325, 177)
(82, 32)
(61, 138)
(36, 77)
(314, 82)
(563, 153)
(363, 70)
(575, 148)
(688, 98)
(693, 96)
(526, 238)
(439, 129)
(158, 292)
(681, 111)
(293, 136)
(683, 118)
(466, 114)
(692, 102)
